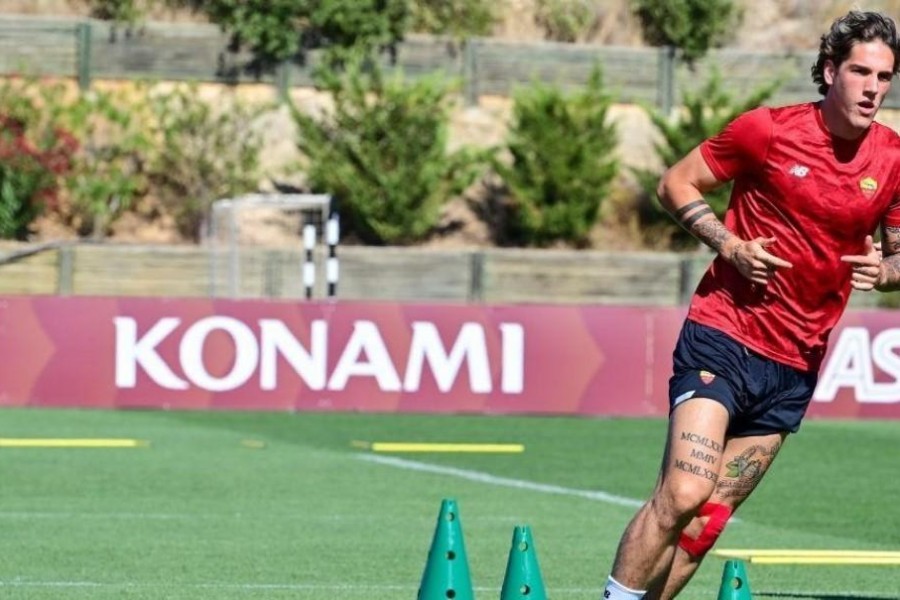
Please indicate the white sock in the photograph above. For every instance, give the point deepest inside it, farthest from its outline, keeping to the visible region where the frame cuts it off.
(616, 591)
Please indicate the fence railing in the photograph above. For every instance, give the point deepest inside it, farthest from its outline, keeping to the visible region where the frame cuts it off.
(87, 50)
(490, 275)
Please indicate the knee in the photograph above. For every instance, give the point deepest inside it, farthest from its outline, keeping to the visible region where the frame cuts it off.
(677, 504)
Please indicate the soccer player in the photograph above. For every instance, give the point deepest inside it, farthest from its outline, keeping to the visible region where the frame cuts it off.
(812, 182)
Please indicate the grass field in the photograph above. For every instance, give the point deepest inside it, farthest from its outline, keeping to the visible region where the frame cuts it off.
(247, 505)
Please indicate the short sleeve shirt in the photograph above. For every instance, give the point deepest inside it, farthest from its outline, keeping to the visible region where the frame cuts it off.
(819, 197)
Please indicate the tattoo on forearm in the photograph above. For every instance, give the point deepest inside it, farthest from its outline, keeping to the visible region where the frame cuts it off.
(745, 470)
(891, 240)
(688, 208)
(890, 267)
(712, 233)
(689, 222)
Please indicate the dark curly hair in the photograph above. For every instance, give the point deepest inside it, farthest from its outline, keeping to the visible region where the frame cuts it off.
(854, 27)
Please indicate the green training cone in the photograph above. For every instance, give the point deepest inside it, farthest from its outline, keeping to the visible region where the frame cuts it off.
(523, 575)
(447, 570)
(735, 585)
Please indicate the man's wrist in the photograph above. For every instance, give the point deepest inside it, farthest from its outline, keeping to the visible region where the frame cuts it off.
(730, 247)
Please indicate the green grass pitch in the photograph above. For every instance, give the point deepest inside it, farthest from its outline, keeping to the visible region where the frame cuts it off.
(249, 505)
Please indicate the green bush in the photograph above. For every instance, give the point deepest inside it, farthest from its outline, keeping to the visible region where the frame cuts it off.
(31, 166)
(459, 18)
(108, 174)
(201, 153)
(382, 153)
(565, 20)
(703, 114)
(105, 169)
(562, 162)
(119, 11)
(692, 26)
(280, 30)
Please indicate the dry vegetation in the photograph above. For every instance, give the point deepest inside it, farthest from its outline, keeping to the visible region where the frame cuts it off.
(770, 24)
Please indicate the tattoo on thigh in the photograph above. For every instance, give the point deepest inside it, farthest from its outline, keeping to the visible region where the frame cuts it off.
(698, 470)
(703, 457)
(746, 469)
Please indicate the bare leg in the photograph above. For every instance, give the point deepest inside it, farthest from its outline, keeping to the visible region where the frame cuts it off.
(744, 463)
(687, 477)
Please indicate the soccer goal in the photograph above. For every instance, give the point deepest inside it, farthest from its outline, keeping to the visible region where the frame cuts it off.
(256, 244)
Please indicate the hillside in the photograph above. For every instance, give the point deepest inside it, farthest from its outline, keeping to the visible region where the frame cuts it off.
(770, 24)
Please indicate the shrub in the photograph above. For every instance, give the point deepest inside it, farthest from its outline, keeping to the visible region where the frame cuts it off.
(459, 18)
(692, 26)
(201, 153)
(565, 20)
(382, 153)
(105, 171)
(31, 165)
(562, 151)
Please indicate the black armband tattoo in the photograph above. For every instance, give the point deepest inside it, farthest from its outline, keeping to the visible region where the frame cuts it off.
(688, 223)
(688, 208)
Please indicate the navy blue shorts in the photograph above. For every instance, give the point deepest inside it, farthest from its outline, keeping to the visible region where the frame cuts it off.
(761, 395)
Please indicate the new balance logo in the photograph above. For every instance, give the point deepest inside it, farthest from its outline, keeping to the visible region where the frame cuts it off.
(799, 170)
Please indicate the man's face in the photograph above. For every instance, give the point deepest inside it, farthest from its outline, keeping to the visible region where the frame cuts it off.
(858, 87)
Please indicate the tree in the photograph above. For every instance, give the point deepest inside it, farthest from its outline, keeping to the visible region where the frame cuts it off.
(382, 152)
(458, 18)
(692, 26)
(563, 162)
(280, 30)
(276, 31)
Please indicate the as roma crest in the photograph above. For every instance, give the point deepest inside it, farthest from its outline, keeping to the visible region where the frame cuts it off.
(868, 186)
(706, 377)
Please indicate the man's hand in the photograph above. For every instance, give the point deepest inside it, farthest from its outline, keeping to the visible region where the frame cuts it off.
(754, 262)
(866, 267)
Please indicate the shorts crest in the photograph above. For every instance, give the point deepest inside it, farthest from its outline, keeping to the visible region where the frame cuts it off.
(707, 377)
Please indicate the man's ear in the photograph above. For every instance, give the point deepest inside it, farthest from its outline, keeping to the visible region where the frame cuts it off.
(828, 71)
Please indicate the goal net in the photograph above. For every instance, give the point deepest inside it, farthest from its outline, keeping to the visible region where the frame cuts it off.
(256, 243)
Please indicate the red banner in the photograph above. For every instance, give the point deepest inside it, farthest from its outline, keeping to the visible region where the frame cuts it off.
(266, 355)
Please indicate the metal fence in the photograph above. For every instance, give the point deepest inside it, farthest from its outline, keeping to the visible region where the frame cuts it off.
(89, 50)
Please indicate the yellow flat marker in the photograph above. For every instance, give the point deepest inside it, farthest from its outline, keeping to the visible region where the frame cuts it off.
(735, 553)
(443, 447)
(71, 443)
(824, 560)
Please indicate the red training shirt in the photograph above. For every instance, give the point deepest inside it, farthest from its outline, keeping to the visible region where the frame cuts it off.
(819, 196)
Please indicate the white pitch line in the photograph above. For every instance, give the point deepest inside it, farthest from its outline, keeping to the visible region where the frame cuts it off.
(520, 484)
(250, 587)
(340, 587)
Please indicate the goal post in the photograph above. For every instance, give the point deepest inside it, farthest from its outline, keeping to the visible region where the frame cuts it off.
(256, 243)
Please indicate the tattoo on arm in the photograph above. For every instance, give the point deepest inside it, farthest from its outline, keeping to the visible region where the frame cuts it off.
(891, 240)
(689, 222)
(710, 231)
(890, 264)
(679, 214)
